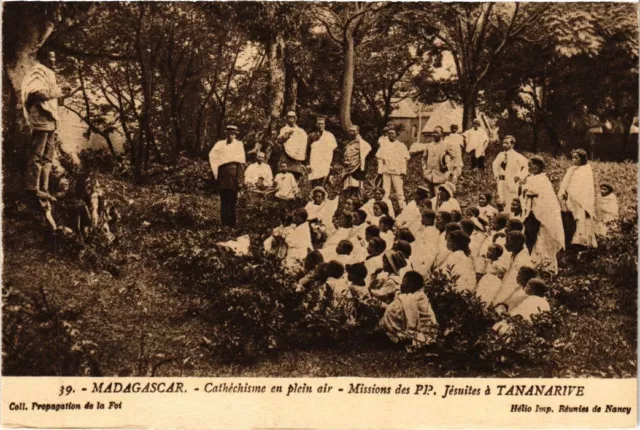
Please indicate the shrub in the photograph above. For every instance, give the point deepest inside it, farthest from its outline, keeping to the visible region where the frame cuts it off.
(41, 337)
(100, 160)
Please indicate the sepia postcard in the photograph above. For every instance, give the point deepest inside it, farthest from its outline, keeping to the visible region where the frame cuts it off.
(310, 214)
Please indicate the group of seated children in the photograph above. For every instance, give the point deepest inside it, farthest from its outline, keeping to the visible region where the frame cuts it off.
(373, 258)
(259, 179)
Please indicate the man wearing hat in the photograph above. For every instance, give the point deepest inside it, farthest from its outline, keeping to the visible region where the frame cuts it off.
(293, 141)
(322, 143)
(477, 141)
(436, 162)
(227, 159)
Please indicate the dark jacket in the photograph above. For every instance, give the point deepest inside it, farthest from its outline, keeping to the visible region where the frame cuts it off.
(230, 176)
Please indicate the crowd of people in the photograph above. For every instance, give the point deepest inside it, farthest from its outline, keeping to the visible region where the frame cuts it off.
(378, 251)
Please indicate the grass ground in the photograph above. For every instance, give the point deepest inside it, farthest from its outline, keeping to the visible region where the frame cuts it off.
(142, 322)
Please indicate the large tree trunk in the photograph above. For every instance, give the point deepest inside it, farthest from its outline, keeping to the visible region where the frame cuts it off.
(275, 52)
(469, 109)
(347, 82)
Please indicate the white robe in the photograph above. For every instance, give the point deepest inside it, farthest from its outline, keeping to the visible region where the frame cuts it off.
(579, 186)
(546, 209)
(530, 306)
(296, 145)
(287, 186)
(517, 166)
(448, 206)
(298, 245)
(322, 155)
(487, 213)
(410, 218)
(223, 153)
(442, 252)
(324, 213)
(255, 172)
(41, 79)
(488, 287)
(509, 281)
(458, 264)
(454, 143)
(328, 250)
(608, 211)
(424, 249)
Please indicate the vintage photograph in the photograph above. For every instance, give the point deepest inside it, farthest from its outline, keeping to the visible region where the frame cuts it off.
(320, 189)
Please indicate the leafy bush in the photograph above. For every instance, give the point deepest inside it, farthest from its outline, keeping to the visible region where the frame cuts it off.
(99, 160)
(41, 337)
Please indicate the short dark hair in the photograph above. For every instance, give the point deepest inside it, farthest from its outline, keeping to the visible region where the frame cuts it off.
(452, 226)
(334, 269)
(582, 154)
(415, 281)
(373, 230)
(538, 287)
(362, 215)
(515, 224)
(501, 220)
(467, 226)
(302, 213)
(402, 246)
(357, 270)
(379, 245)
(346, 246)
(386, 220)
(406, 235)
(446, 216)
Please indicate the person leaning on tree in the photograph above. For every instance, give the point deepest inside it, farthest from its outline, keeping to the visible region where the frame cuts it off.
(40, 93)
(227, 159)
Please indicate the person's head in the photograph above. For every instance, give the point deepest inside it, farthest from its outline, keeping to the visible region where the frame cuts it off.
(536, 287)
(380, 209)
(515, 224)
(393, 261)
(412, 282)
(392, 135)
(46, 58)
(312, 260)
(499, 222)
(437, 134)
(605, 190)
(321, 123)
(283, 167)
(344, 247)
(376, 246)
(285, 217)
(371, 232)
(467, 226)
(494, 252)
(422, 193)
(458, 241)
(450, 228)
(300, 216)
(334, 269)
(508, 143)
(386, 224)
(445, 192)
(406, 235)
(345, 220)
(456, 216)
(357, 273)
(428, 217)
(291, 118)
(231, 132)
(442, 219)
(354, 130)
(472, 212)
(385, 130)
(321, 273)
(260, 157)
(404, 247)
(515, 242)
(516, 206)
(318, 194)
(352, 205)
(454, 128)
(359, 217)
(525, 274)
(476, 123)
(484, 199)
(501, 308)
(579, 157)
(536, 165)
(378, 194)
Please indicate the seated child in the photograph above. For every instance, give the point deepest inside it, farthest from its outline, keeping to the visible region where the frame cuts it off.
(404, 248)
(373, 262)
(516, 210)
(378, 196)
(357, 277)
(286, 187)
(490, 283)
(311, 267)
(535, 302)
(345, 224)
(380, 209)
(344, 252)
(276, 244)
(525, 274)
(386, 230)
(406, 235)
(487, 212)
(409, 318)
(385, 287)
(607, 208)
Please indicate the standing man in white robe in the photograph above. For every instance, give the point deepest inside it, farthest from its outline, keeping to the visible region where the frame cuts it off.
(293, 140)
(509, 168)
(393, 157)
(227, 159)
(455, 145)
(477, 141)
(322, 144)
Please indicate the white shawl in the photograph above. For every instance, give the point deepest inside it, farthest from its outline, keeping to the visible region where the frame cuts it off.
(546, 209)
(579, 186)
(322, 155)
(299, 244)
(223, 153)
(41, 79)
(296, 144)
